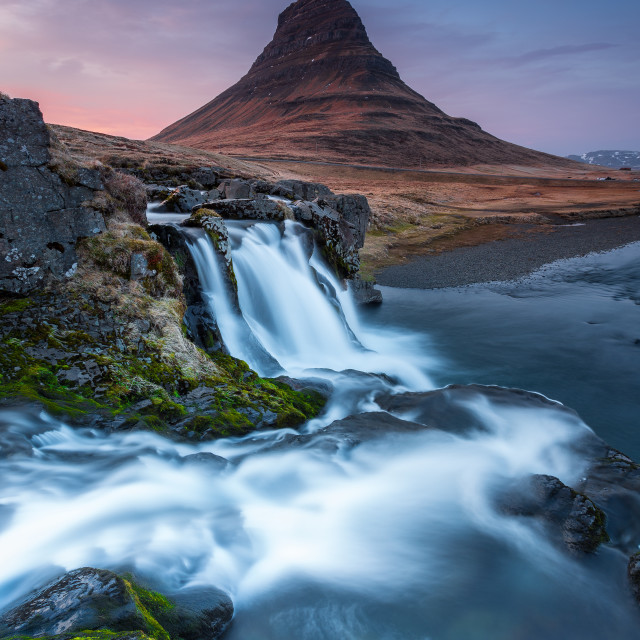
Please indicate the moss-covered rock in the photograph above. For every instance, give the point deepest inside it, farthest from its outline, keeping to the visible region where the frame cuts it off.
(98, 604)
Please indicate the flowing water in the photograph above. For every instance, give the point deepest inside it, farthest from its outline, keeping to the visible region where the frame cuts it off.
(399, 537)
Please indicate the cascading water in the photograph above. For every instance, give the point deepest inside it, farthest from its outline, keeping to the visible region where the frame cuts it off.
(313, 536)
(295, 317)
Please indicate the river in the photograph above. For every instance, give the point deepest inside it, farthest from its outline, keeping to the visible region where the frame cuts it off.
(393, 537)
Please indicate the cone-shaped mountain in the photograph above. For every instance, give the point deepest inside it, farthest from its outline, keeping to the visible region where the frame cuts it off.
(321, 91)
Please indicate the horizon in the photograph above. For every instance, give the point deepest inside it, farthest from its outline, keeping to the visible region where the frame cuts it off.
(556, 79)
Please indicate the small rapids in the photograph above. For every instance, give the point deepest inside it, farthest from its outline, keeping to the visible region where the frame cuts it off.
(399, 537)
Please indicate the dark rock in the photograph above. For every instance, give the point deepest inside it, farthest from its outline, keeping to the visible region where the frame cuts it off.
(355, 210)
(451, 409)
(206, 176)
(81, 600)
(247, 209)
(158, 193)
(572, 516)
(299, 190)
(200, 613)
(235, 189)
(94, 599)
(42, 215)
(350, 432)
(633, 573)
(183, 200)
(364, 292)
(205, 459)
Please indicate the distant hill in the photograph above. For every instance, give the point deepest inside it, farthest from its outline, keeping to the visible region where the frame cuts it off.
(321, 91)
(613, 159)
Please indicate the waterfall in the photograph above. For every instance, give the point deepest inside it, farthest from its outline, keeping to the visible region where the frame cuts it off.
(294, 311)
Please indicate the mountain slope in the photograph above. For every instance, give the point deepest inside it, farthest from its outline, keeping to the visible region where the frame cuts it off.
(321, 91)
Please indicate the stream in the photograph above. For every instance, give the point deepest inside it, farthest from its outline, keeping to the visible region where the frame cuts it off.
(396, 537)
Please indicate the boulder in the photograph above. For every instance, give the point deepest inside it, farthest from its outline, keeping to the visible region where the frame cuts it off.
(235, 189)
(206, 176)
(354, 210)
(43, 214)
(364, 292)
(633, 573)
(95, 599)
(299, 190)
(183, 200)
(338, 237)
(570, 516)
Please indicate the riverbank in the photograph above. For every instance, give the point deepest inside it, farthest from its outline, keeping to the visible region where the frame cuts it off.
(513, 257)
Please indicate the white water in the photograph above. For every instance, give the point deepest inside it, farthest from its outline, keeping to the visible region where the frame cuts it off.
(396, 538)
(298, 310)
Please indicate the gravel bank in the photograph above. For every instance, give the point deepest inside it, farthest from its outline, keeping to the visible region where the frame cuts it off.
(512, 258)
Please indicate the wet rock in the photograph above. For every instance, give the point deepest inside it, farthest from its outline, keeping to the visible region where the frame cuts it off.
(633, 573)
(364, 292)
(570, 516)
(451, 409)
(82, 599)
(205, 459)
(42, 214)
(200, 613)
(95, 599)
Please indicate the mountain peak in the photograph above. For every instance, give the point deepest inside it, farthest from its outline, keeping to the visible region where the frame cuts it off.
(320, 90)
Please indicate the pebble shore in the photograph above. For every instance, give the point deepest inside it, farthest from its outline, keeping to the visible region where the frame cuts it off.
(513, 258)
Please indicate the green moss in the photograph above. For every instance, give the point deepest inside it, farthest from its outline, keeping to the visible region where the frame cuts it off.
(146, 602)
(101, 634)
(14, 305)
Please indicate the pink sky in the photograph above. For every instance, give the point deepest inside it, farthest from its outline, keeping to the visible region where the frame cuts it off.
(560, 78)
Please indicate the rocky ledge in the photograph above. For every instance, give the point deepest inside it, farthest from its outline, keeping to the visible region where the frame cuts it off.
(94, 603)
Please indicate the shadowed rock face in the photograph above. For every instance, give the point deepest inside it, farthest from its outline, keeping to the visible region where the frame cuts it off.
(42, 215)
(320, 90)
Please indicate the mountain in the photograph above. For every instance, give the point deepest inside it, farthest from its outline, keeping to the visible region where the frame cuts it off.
(321, 91)
(613, 159)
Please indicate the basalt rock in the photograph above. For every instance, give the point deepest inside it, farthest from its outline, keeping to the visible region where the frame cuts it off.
(95, 599)
(299, 190)
(235, 189)
(364, 292)
(183, 200)
(43, 214)
(571, 516)
(247, 209)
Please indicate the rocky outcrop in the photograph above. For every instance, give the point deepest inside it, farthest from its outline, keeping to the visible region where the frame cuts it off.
(569, 515)
(339, 221)
(247, 209)
(95, 599)
(43, 213)
(320, 91)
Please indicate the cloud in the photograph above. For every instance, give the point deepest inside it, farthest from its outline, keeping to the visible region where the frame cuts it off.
(560, 51)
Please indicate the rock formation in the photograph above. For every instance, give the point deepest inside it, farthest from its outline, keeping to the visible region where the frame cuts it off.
(321, 91)
(44, 210)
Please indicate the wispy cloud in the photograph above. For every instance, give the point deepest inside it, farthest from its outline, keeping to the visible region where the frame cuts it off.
(560, 51)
